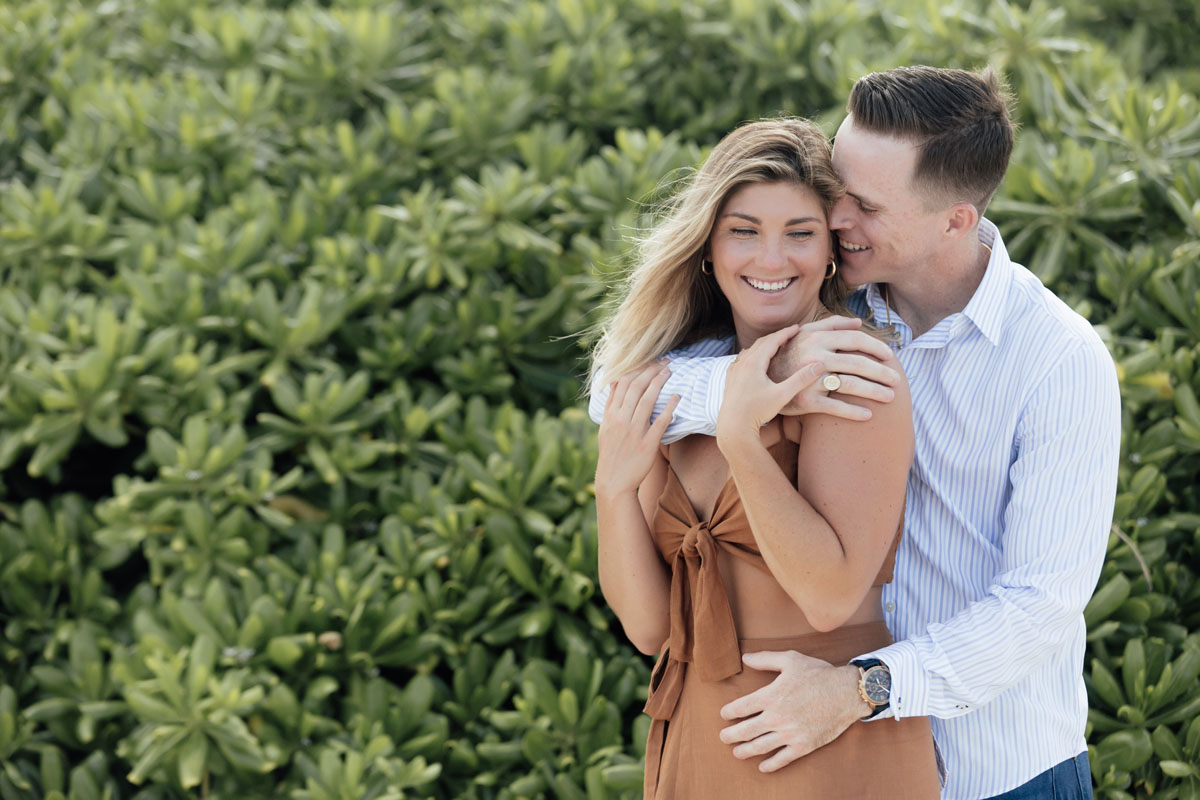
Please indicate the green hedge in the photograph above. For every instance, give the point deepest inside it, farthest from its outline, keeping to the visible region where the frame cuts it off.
(296, 482)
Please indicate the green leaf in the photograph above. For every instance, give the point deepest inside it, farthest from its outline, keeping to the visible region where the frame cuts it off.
(193, 758)
(1133, 671)
(1106, 686)
(162, 744)
(518, 567)
(624, 777)
(536, 622)
(1178, 769)
(1106, 600)
(1126, 750)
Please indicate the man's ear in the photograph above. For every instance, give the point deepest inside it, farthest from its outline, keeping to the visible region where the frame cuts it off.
(961, 220)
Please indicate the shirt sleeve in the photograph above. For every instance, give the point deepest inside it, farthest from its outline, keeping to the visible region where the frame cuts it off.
(697, 376)
(1056, 526)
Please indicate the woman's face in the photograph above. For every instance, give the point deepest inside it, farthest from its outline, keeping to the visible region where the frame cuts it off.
(770, 248)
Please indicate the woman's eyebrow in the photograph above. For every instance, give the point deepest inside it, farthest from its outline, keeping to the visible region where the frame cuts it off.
(757, 221)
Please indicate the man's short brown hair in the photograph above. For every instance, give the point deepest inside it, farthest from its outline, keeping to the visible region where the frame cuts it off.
(959, 119)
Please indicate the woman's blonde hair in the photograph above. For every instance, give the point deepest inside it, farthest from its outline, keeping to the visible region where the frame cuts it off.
(667, 301)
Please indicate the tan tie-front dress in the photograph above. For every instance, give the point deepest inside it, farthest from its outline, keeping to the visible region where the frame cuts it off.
(700, 671)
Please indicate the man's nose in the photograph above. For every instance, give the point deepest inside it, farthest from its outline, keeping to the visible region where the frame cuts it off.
(841, 214)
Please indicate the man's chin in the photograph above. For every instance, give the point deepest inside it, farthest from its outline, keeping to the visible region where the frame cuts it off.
(855, 277)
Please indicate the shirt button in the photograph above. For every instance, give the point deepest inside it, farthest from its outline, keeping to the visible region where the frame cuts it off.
(889, 606)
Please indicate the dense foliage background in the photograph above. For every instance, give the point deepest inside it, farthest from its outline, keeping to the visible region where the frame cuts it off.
(296, 484)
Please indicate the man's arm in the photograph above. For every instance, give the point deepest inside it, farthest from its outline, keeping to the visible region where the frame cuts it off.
(833, 345)
(697, 376)
(1056, 531)
(1056, 526)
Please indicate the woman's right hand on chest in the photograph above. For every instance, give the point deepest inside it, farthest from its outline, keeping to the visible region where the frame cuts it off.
(628, 439)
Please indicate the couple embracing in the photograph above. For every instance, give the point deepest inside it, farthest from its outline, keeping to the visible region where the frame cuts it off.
(860, 497)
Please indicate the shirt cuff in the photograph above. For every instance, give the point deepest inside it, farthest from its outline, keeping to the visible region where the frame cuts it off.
(908, 693)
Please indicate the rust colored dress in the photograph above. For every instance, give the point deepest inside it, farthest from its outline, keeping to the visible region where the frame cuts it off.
(700, 671)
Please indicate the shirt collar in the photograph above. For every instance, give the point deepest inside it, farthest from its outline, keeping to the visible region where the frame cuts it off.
(985, 308)
(987, 305)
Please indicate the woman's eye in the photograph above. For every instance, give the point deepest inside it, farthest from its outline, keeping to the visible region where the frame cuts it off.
(800, 234)
(742, 231)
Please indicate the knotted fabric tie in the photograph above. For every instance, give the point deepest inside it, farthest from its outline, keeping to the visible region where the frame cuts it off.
(702, 629)
(702, 634)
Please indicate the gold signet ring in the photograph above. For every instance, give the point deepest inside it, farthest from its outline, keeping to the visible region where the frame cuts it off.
(831, 383)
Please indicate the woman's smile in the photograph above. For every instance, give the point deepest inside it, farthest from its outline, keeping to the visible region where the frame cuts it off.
(770, 249)
(769, 287)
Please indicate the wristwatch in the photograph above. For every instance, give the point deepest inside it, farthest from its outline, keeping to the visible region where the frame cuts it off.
(874, 684)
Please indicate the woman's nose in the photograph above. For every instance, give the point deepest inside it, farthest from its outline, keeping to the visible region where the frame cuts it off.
(772, 255)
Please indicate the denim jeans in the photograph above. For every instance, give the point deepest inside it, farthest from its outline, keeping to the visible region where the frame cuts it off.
(1069, 780)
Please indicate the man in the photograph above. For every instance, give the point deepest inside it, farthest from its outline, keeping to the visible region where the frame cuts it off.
(1017, 420)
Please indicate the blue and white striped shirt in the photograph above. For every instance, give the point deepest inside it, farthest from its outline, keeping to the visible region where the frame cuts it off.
(1016, 410)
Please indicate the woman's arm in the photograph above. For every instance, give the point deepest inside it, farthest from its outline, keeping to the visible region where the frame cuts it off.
(825, 539)
(635, 580)
(630, 475)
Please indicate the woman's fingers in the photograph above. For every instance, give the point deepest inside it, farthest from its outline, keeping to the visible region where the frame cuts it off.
(645, 404)
(664, 419)
(617, 397)
(641, 379)
(767, 346)
(802, 378)
(630, 387)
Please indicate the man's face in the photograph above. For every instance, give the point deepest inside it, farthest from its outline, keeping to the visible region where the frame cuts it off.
(882, 224)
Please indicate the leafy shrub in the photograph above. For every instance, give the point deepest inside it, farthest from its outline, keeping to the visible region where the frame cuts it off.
(296, 484)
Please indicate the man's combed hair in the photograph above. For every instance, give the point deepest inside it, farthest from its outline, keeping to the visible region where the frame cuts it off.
(960, 120)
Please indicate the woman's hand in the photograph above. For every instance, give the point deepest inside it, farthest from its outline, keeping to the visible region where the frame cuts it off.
(752, 399)
(628, 441)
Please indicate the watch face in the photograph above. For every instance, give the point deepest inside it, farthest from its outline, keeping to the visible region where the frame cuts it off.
(877, 683)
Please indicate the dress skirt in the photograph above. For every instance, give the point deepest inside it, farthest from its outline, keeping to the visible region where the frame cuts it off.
(686, 760)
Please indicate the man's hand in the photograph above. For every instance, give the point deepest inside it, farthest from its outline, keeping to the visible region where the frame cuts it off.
(835, 345)
(808, 705)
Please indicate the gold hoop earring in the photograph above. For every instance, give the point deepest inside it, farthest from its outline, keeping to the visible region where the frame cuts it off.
(704, 264)
(829, 273)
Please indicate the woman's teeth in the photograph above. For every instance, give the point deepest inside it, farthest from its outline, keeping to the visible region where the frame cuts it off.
(769, 286)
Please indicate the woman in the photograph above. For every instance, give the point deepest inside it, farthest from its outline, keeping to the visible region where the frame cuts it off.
(776, 533)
